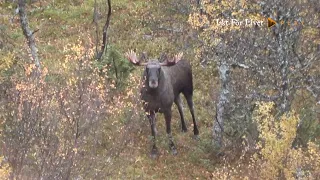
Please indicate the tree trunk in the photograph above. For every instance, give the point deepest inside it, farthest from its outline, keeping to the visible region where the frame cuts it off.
(105, 33)
(27, 32)
(221, 105)
(285, 101)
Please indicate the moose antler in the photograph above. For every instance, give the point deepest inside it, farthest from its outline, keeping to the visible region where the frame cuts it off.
(132, 57)
(173, 61)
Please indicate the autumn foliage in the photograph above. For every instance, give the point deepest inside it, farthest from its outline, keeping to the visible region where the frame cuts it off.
(75, 117)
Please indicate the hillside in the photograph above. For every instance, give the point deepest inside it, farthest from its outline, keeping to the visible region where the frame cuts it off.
(256, 91)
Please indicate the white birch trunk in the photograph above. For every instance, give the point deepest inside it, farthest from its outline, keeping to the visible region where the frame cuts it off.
(27, 32)
(218, 124)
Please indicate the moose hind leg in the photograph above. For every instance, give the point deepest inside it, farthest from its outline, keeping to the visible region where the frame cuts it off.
(152, 120)
(190, 104)
(177, 101)
(167, 116)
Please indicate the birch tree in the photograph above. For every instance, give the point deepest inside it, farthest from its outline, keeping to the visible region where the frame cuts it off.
(27, 32)
(257, 62)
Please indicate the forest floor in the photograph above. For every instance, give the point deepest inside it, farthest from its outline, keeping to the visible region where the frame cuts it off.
(196, 159)
(64, 27)
(191, 162)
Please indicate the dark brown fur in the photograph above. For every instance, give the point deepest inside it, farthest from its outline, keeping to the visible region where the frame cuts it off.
(172, 81)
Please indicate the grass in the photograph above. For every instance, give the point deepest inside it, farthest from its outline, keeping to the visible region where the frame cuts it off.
(61, 24)
(194, 159)
(190, 163)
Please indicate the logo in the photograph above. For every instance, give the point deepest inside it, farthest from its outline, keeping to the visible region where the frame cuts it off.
(271, 22)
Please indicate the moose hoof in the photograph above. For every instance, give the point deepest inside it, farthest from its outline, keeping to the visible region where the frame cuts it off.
(173, 150)
(154, 153)
(184, 130)
(196, 137)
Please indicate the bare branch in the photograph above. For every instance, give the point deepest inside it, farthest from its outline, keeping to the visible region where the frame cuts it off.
(105, 34)
(27, 32)
(95, 21)
(239, 65)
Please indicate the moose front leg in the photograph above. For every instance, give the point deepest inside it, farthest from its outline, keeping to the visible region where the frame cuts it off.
(152, 120)
(167, 116)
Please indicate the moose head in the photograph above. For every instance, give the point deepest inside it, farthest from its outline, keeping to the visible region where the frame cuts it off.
(153, 66)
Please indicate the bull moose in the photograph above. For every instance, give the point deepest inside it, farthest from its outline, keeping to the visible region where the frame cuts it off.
(162, 84)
